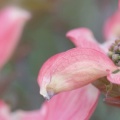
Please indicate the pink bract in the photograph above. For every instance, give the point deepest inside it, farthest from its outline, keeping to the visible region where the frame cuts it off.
(73, 69)
(82, 65)
(61, 107)
(84, 38)
(111, 29)
(4, 111)
(12, 20)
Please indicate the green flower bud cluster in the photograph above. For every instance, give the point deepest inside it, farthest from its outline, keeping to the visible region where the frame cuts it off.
(114, 52)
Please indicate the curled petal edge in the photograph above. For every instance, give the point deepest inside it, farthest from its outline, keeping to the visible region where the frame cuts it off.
(83, 38)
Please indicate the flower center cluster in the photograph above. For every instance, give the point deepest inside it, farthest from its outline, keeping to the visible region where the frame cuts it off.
(114, 52)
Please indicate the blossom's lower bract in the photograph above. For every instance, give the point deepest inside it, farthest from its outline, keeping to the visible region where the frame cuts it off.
(64, 106)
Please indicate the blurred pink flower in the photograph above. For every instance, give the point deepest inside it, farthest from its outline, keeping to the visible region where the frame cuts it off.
(4, 111)
(12, 20)
(112, 26)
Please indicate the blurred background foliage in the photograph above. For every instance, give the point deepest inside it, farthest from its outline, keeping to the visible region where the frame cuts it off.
(44, 36)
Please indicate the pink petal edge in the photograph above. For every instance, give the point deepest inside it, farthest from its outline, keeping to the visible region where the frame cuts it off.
(83, 37)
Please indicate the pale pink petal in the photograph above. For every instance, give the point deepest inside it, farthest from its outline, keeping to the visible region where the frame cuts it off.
(72, 69)
(114, 77)
(112, 27)
(12, 21)
(73, 105)
(83, 37)
(78, 104)
(4, 111)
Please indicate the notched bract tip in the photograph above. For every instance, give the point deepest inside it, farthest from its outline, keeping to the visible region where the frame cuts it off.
(50, 94)
(47, 94)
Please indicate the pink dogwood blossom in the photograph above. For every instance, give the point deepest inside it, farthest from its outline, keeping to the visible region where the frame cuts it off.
(77, 67)
(84, 64)
(12, 20)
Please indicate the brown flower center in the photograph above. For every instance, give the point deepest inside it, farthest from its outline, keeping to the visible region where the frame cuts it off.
(114, 52)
